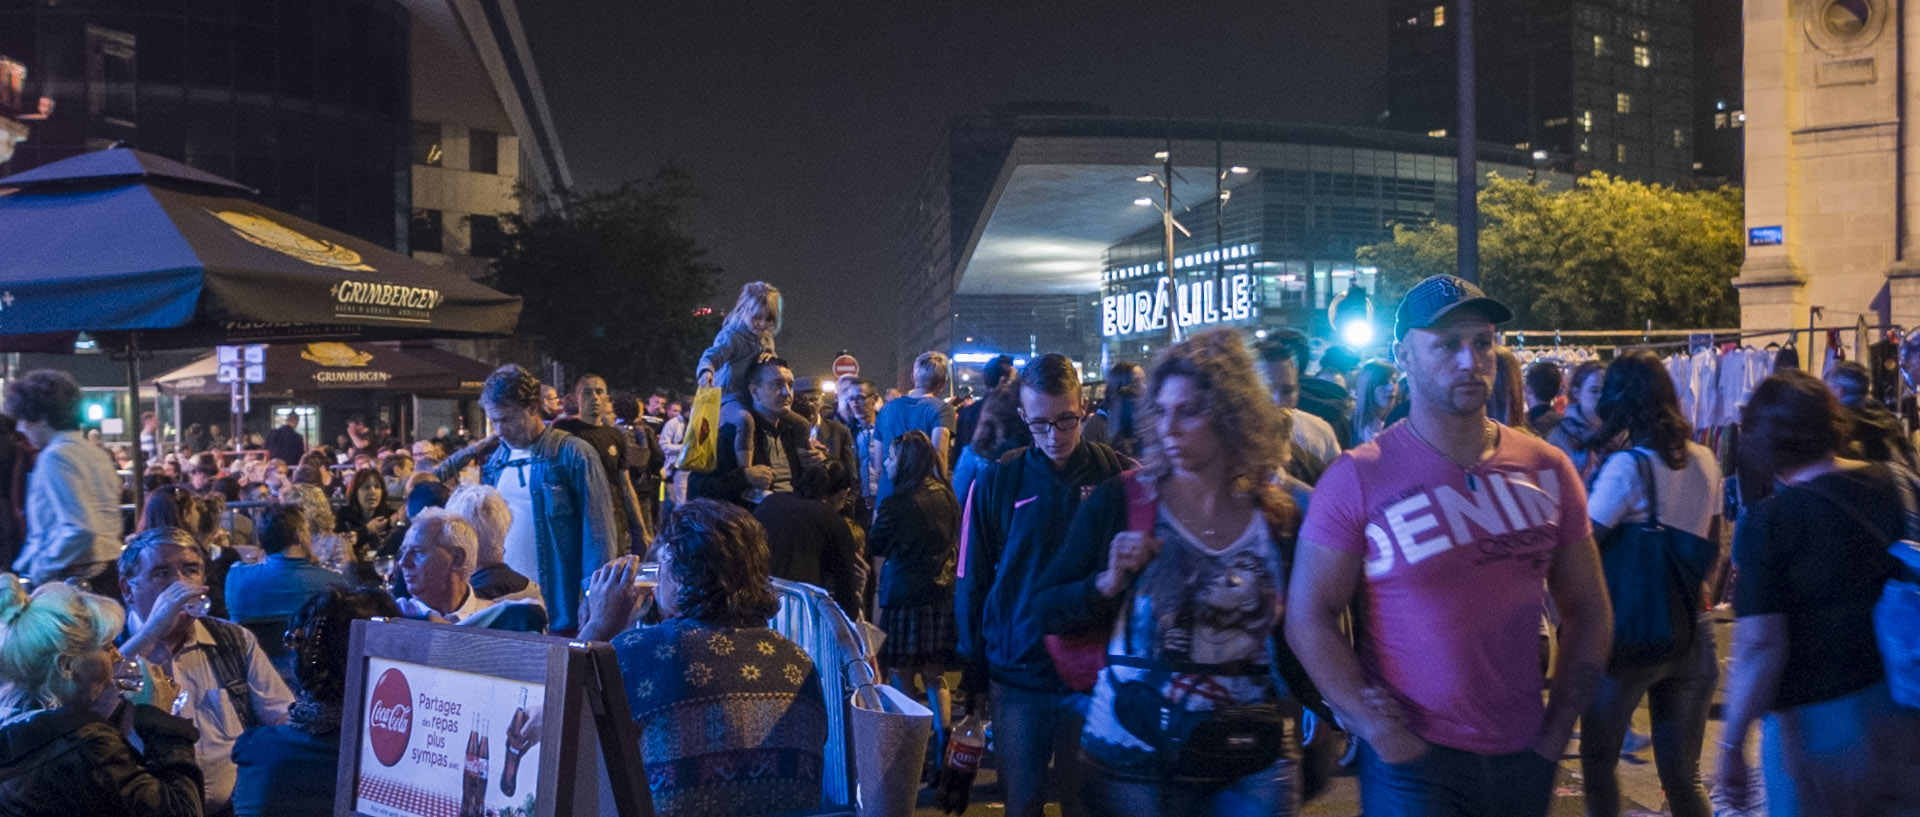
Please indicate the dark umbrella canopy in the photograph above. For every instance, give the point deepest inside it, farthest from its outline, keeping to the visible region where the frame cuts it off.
(331, 366)
(121, 241)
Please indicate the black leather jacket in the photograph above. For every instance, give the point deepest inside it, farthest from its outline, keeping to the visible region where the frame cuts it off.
(918, 533)
(71, 762)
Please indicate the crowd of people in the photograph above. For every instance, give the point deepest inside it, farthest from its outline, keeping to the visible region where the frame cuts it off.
(1175, 599)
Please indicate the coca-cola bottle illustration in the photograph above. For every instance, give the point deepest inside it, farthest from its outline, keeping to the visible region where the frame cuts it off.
(473, 781)
(517, 744)
(965, 747)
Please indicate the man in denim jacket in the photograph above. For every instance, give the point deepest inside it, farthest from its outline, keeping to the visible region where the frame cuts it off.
(562, 528)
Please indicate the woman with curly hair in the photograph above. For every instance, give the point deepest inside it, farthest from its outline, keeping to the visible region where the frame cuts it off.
(290, 769)
(713, 691)
(1186, 718)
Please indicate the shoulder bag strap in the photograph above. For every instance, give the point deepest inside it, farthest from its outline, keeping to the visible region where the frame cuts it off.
(1644, 464)
(228, 659)
(1855, 514)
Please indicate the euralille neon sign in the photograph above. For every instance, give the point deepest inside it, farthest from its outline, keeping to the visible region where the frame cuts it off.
(1226, 299)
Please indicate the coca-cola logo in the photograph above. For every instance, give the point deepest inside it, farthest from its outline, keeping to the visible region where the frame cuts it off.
(390, 717)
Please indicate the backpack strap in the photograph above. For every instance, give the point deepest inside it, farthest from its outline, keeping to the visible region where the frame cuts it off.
(228, 659)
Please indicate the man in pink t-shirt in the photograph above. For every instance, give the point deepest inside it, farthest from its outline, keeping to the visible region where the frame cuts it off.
(1446, 528)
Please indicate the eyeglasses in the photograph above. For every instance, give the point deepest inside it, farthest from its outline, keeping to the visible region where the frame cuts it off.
(1065, 422)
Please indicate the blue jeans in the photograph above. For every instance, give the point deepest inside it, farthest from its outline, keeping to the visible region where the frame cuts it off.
(1855, 755)
(1271, 792)
(1029, 730)
(1448, 782)
(1679, 693)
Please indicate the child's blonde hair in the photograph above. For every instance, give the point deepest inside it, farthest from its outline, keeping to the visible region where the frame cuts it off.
(753, 296)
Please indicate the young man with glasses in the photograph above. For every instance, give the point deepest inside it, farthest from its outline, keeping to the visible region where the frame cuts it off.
(1016, 518)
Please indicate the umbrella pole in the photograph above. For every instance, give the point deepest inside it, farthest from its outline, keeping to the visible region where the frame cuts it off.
(133, 397)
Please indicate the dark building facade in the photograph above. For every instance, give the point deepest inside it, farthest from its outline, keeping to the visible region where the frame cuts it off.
(306, 101)
(1596, 84)
(1719, 114)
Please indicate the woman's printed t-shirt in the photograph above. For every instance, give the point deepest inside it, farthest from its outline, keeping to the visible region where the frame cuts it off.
(1191, 605)
(1455, 572)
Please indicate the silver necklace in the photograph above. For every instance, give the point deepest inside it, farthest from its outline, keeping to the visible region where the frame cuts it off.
(1488, 433)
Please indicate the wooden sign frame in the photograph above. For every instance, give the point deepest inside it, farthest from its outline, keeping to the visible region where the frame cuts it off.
(582, 687)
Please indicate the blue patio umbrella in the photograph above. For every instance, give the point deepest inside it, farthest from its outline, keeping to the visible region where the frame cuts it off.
(147, 253)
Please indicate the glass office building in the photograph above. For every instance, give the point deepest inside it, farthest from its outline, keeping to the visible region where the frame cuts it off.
(1043, 233)
(303, 100)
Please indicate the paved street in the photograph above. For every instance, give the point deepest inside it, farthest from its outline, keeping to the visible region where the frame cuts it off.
(1639, 785)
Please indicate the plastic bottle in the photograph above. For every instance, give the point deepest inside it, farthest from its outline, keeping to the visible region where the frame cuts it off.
(965, 748)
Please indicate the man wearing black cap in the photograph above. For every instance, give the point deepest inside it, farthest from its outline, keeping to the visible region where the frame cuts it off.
(1453, 522)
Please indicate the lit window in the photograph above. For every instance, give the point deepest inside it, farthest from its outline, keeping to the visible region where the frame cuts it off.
(1437, 132)
(1642, 56)
(1719, 121)
(1739, 119)
(1623, 102)
(1586, 121)
(426, 144)
(1439, 16)
(1620, 153)
(1679, 138)
(1585, 146)
(1642, 35)
(1523, 146)
(1599, 46)
(1555, 122)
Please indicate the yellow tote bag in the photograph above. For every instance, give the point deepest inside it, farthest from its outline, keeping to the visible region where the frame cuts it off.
(702, 452)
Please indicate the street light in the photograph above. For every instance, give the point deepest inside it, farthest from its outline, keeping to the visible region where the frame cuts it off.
(1168, 223)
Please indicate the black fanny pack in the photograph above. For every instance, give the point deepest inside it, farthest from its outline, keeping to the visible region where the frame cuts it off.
(1205, 745)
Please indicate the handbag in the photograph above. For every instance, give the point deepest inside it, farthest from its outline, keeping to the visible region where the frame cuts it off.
(1202, 745)
(1654, 575)
(702, 451)
(1079, 657)
(1896, 617)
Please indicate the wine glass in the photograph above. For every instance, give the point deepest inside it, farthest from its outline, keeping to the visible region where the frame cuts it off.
(383, 565)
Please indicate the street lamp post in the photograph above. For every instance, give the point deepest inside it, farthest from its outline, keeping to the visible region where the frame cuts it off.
(1169, 224)
(1466, 201)
(1220, 196)
(1166, 218)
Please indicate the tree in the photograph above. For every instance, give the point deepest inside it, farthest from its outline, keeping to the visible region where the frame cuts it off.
(613, 282)
(1608, 254)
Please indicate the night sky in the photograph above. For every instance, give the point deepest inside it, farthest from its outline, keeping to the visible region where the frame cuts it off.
(806, 125)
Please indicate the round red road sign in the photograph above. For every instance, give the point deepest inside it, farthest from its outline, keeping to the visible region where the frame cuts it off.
(845, 365)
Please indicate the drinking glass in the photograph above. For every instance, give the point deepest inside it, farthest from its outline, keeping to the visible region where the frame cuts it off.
(383, 565)
(648, 576)
(127, 675)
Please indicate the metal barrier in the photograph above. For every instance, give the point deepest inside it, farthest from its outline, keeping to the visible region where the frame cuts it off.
(810, 618)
